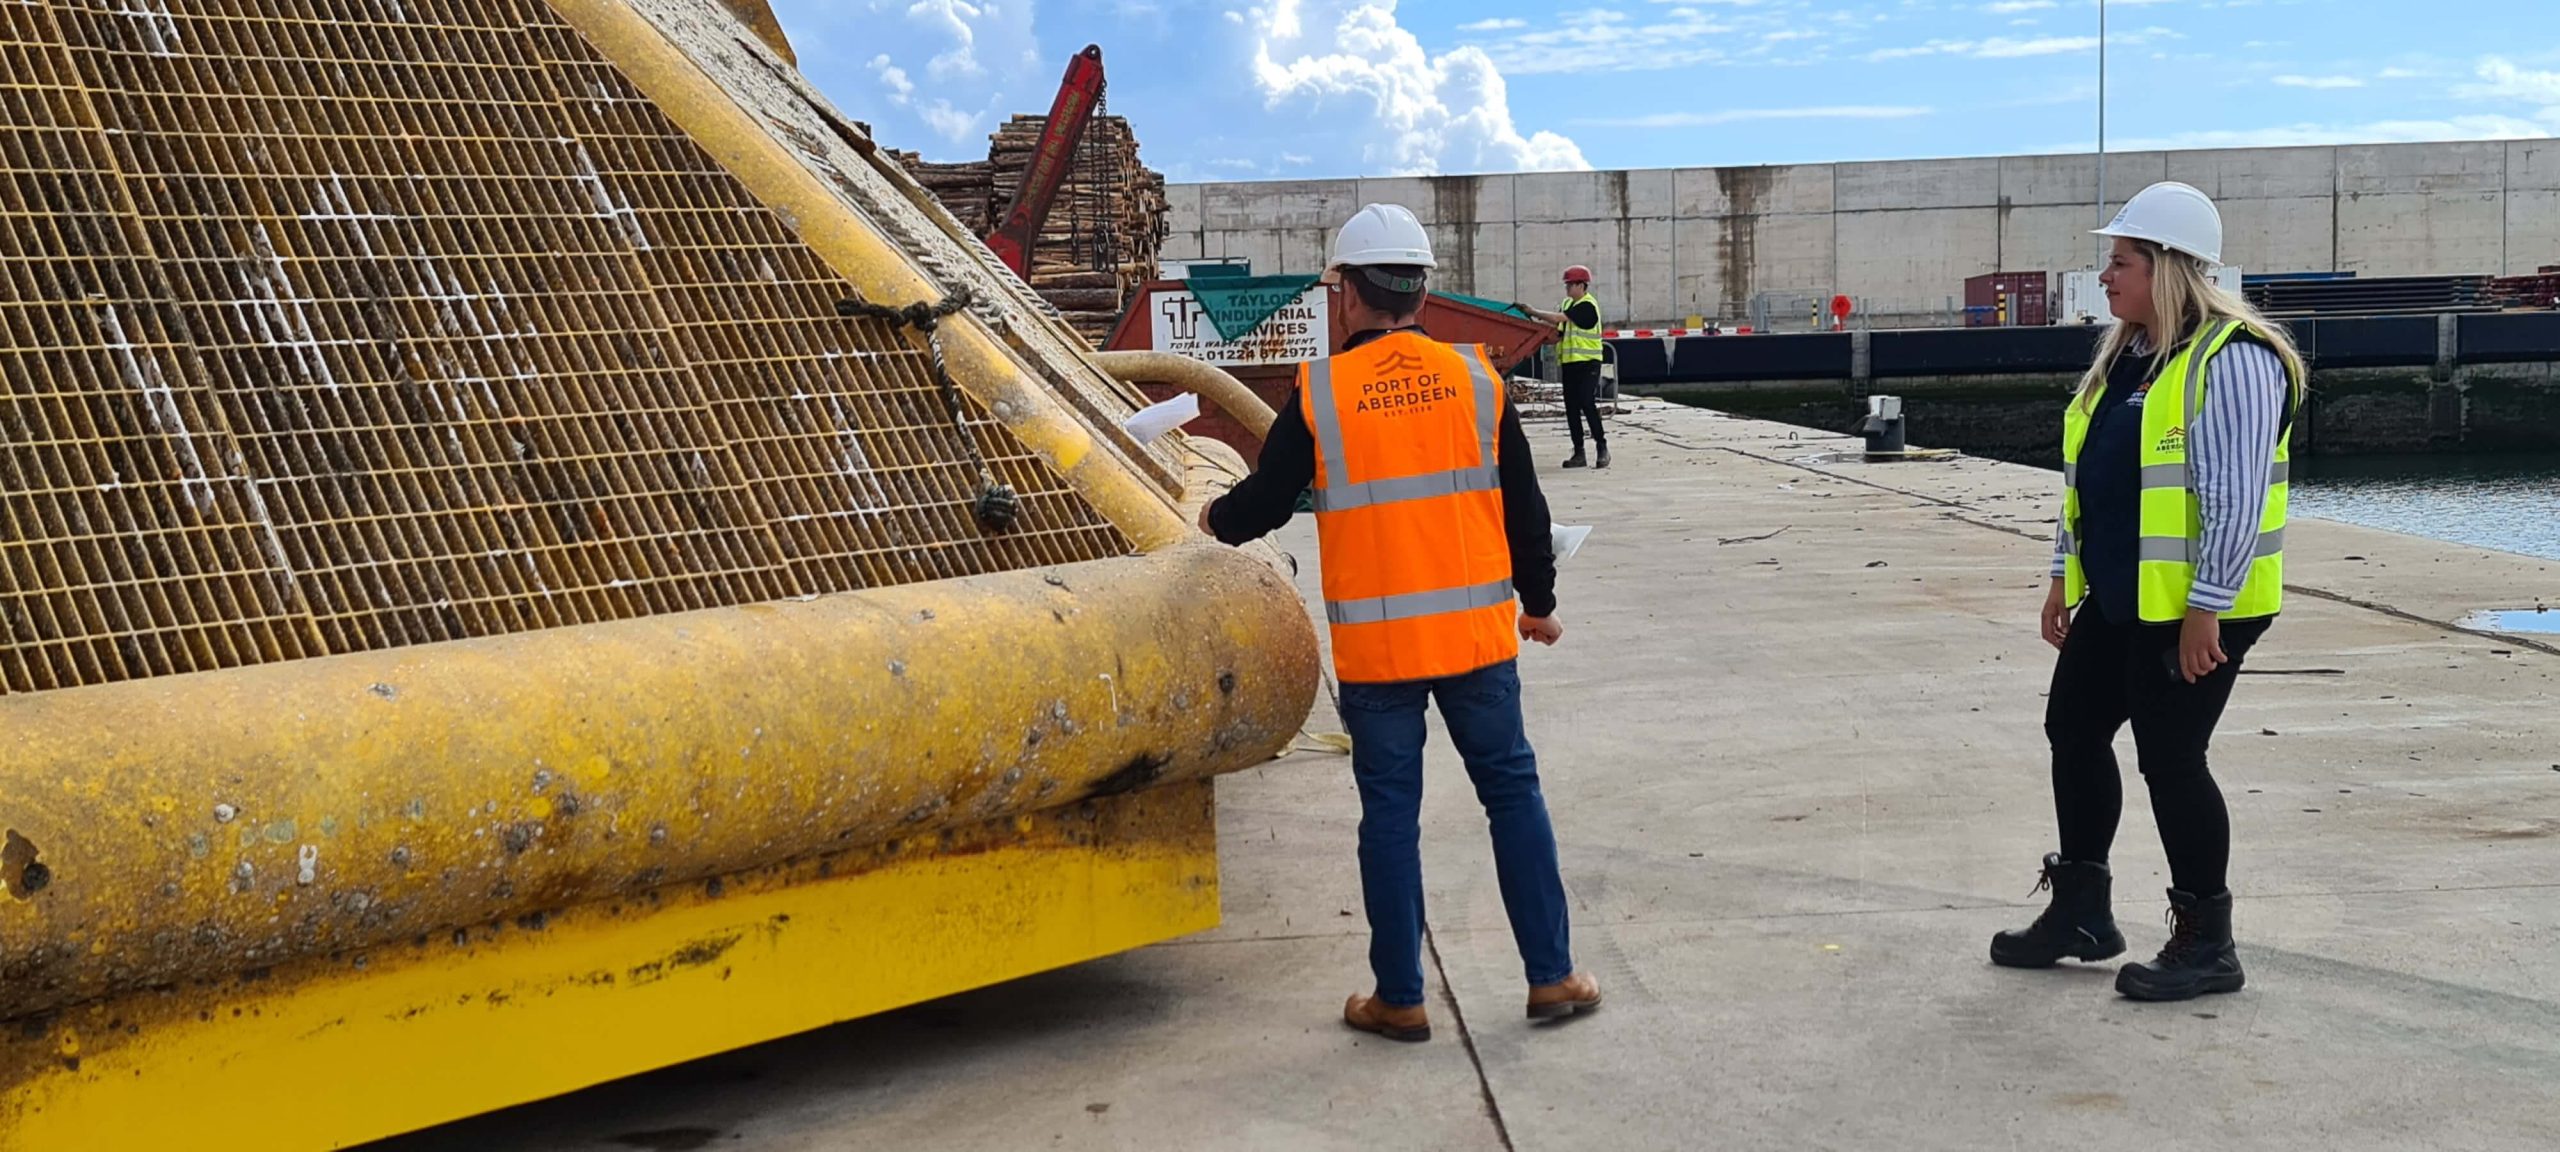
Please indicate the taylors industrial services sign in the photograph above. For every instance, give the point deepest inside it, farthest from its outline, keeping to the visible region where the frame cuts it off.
(1299, 331)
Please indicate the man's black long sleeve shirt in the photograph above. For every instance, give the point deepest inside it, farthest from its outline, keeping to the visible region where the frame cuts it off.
(1268, 499)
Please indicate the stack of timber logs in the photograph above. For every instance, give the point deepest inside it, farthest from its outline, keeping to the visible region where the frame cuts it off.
(1105, 228)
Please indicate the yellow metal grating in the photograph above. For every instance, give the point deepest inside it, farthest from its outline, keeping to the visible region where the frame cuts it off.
(337, 326)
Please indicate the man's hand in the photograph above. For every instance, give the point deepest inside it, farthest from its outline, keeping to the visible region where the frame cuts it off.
(1204, 520)
(2200, 645)
(2056, 616)
(1543, 629)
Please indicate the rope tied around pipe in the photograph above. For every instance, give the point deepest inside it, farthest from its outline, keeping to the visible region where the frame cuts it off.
(997, 505)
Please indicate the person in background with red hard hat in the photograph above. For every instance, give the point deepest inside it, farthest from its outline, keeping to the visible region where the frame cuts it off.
(1438, 559)
(1579, 351)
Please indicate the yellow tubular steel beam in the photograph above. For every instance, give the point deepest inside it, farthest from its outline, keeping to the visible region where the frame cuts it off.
(336, 1050)
(198, 826)
(758, 16)
(980, 363)
(1207, 381)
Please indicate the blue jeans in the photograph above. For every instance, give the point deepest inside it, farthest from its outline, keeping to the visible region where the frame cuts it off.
(1482, 711)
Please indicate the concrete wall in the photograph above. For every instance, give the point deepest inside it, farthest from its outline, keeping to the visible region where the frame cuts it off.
(1901, 237)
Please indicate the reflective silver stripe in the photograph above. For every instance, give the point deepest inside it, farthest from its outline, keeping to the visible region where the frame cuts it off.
(1488, 404)
(2175, 475)
(1336, 495)
(2176, 550)
(2164, 475)
(1415, 604)
(2172, 549)
(1326, 422)
(1421, 487)
(2070, 544)
(2071, 475)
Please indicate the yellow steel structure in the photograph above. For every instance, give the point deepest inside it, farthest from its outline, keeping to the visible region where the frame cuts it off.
(474, 623)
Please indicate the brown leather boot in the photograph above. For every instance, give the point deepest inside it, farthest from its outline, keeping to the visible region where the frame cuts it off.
(1579, 992)
(1370, 1014)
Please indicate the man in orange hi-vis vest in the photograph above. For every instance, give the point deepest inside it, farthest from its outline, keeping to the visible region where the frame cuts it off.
(1438, 559)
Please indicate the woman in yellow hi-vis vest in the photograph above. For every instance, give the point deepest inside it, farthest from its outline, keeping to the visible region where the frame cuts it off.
(2171, 550)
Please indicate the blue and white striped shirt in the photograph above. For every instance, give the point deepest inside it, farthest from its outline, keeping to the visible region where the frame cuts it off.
(2230, 453)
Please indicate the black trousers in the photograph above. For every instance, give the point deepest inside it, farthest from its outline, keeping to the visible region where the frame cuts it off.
(1582, 401)
(2110, 674)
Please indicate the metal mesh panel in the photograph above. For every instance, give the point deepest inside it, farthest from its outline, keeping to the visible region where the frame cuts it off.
(336, 326)
(858, 469)
(127, 544)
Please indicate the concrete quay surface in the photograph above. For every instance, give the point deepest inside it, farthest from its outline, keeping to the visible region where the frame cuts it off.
(1798, 781)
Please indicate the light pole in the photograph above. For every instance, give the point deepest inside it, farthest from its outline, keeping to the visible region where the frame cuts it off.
(2102, 130)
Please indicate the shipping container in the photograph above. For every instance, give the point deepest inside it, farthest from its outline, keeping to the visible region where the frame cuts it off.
(2084, 298)
(2014, 299)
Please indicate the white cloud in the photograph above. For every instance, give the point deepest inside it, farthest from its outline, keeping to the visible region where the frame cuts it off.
(893, 78)
(1741, 115)
(929, 74)
(946, 121)
(2400, 74)
(2008, 48)
(955, 21)
(1995, 48)
(2489, 127)
(2013, 7)
(1406, 111)
(1684, 35)
(1503, 24)
(2502, 80)
(2004, 48)
(2322, 82)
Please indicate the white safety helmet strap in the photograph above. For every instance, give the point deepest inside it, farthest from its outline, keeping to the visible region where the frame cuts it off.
(1390, 281)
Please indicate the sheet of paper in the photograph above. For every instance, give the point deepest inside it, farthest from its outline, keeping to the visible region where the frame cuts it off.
(1568, 540)
(1155, 420)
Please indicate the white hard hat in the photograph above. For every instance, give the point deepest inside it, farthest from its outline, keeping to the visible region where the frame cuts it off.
(2172, 215)
(1383, 234)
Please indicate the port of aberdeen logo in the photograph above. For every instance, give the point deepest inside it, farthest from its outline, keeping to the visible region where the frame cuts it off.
(2173, 440)
(1401, 362)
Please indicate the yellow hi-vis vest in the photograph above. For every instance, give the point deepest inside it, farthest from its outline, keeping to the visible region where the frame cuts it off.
(1579, 344)
(2171, 522)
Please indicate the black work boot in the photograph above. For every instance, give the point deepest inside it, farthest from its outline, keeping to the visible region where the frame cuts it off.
(2078, 923)
(2199, 958)
(1577, 460)
(1603, 462)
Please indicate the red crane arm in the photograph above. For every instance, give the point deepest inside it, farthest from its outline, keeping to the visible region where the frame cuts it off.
(1068, 115)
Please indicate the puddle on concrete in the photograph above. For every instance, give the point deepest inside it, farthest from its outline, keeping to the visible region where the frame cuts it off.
(1861, 457)
(2517, 620)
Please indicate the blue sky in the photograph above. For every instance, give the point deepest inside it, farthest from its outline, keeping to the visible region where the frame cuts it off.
(1269, 89)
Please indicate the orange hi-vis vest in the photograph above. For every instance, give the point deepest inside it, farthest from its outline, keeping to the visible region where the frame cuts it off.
(1408, 502)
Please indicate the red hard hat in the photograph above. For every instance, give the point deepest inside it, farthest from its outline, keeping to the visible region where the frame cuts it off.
(1577, 275)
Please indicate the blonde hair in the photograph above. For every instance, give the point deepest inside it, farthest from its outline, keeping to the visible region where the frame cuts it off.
(2185, 301)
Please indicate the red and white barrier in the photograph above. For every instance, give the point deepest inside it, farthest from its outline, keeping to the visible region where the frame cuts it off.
(1652, 333)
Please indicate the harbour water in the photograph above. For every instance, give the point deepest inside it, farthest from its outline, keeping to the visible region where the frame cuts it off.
(2507, 502)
